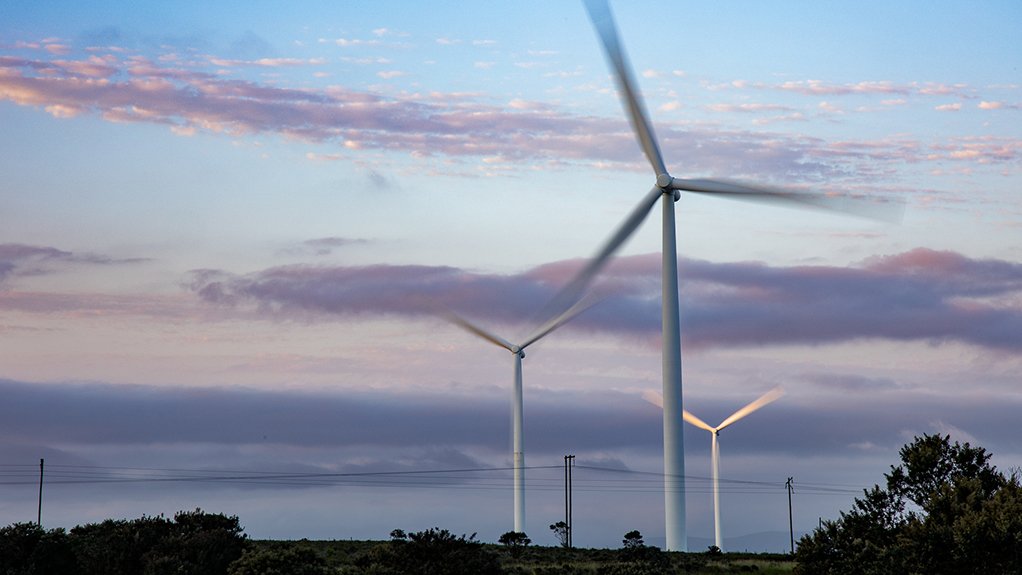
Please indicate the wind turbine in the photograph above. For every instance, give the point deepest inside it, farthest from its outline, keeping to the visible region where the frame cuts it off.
(668, 188)
(765, 399)
(517, 417)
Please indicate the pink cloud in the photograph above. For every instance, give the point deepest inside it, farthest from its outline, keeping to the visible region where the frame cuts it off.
(173, 93)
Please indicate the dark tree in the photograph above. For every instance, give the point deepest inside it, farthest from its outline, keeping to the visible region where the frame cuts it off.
(945, 510)
(515, 541)
(632, 540)
(432, 552)
(560, 530)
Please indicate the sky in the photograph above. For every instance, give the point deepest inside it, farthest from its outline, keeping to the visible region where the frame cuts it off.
(229, 234)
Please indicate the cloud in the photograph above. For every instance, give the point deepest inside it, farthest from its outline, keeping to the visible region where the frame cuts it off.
(105, 414)
(26, 260)
(921, 295)
(180, 95)
(323, 246)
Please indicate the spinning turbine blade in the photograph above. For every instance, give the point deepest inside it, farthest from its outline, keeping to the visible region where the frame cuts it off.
(767, 398)
(471, 327)
(574, 289)
(603, 20)
(874, 208)
(558, 321)
(696, 421)
(653, 397)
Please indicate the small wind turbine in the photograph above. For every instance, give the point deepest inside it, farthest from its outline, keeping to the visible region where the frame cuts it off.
(668, 188)
(766, 398)
(517, 418)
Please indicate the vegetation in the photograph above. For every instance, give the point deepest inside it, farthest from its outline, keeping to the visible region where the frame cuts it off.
(515, 542)
(194, 542)
(944, 510)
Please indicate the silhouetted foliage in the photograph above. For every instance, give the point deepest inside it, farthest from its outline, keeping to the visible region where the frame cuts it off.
(515, 541)
(431, 552)
(280, 559)
(27, 549)
(632, 540)
(195, 543)
(560, 530)
(945, 510)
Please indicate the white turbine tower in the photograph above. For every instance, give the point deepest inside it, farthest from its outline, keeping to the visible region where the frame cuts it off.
(517, 417)
(668, 188)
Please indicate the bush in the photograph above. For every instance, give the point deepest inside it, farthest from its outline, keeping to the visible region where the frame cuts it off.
(279, 559)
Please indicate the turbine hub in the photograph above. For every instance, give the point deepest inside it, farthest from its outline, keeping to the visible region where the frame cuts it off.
(663, 181)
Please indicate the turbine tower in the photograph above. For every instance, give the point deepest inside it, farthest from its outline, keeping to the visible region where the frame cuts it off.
(668, 189)
(766, 398)
(517, 410)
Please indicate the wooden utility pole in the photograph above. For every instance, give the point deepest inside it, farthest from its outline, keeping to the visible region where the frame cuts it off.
(569, 462)
(791, 526)
(39, 513)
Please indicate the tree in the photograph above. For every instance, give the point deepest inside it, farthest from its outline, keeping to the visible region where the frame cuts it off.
(431, 552)
(632, 540)
(515, 541)
(560, 530)
(945, 510)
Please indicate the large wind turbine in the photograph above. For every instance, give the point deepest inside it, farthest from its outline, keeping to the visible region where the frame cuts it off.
(517, 418)
(766, 398)
(668, 188)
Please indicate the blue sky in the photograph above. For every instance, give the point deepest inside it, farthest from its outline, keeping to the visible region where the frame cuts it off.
(252, 213)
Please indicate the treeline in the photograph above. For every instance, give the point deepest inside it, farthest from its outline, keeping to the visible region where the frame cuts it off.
(199, 543)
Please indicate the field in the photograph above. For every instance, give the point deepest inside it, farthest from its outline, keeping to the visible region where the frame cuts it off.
(349, 557)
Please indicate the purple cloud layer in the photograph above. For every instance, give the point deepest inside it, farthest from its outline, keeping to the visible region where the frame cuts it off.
(70, 414)
(920, 295)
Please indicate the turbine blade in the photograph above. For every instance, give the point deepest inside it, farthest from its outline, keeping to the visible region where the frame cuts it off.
(766, 398)
(556, 322)
(603, 21)
(472, 328)
(653, 397)
(875, 208)
(573, 290)
(657, 399)
(696, 421)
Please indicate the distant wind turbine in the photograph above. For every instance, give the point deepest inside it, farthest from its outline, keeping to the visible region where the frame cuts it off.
(766, 398)
(517, 418)
(668, 189)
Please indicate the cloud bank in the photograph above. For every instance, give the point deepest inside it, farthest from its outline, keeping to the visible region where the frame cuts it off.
(920, 295)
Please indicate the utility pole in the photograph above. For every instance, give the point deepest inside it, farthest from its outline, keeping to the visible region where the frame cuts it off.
(39, 514)
(569, 462)
(791, 526)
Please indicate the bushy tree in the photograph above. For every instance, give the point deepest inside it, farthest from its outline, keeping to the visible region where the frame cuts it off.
(431, 552)
(632, 540)
(515, 541)
(945, 510)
